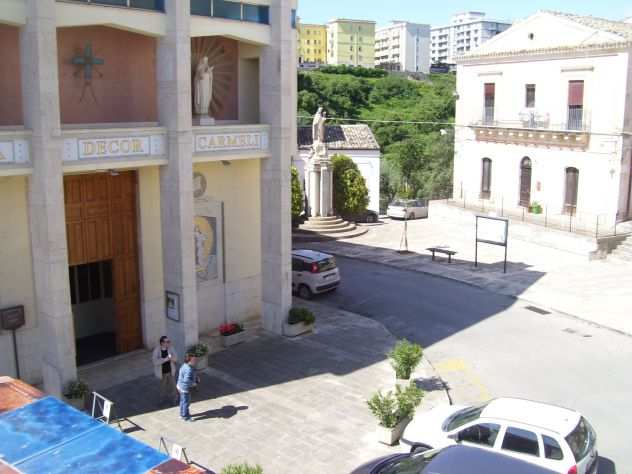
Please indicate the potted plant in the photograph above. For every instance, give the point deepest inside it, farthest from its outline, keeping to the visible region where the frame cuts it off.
(394, 411)
(535, 208)
(200, 350)
(242, 469)
(405, 356)
(232, 333)
(299, 321)
(75, 393)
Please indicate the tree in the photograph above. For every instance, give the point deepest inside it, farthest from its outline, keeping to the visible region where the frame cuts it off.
(297, 194)
(351, 196)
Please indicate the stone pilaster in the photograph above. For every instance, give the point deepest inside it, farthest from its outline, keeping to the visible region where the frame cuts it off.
(176, 178)
(314, 189)
(40, 94)
(326, 191)
(278, 109)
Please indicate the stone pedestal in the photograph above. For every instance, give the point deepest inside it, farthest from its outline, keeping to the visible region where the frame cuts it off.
(320, 182)
(203, 120)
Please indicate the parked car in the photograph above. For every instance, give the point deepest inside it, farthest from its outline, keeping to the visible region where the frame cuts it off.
(313, 273)
(368, 216)
(556, 438)
(408, 209)
(450, 460)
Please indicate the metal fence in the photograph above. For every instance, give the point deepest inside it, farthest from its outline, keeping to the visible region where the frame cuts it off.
(545, 215)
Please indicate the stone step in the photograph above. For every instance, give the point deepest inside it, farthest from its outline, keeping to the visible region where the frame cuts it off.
(622, 252)
(318, 236)
(324, 228)
(344, 228)
(324, 219)
(318, 222)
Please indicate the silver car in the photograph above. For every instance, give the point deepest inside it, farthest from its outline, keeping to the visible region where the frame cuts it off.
(313, 273)
(408, 209)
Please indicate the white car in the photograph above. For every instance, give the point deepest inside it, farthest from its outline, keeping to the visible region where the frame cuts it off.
(556, 438)
(408, 209)
(313, 273)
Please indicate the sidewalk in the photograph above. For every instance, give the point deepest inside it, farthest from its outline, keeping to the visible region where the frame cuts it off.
(291, 405)
(564, 281)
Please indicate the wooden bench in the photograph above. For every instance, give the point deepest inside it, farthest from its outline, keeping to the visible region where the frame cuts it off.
(447, 252)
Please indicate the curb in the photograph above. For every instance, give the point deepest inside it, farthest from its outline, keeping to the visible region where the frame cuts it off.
(480, 287)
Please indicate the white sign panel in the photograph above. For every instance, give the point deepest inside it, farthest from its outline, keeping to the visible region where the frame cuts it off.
(208, 143)
(492, 230)
(14, 151)
(110, 147)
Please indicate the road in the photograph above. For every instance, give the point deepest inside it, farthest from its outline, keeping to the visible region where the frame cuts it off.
(486, 345)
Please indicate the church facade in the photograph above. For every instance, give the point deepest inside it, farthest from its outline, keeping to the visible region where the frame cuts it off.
(145, 153)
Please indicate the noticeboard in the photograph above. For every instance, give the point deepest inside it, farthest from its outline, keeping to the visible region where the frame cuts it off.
(12, 318)
(492, 230)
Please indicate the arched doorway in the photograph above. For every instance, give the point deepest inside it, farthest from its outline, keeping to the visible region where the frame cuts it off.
(525, 182)
(570, 195)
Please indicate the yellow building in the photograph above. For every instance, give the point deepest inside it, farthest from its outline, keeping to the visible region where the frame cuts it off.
(351, 42)
(312, 43)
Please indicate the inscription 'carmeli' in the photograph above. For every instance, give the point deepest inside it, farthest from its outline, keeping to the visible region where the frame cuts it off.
(113, 147)
(245, 141)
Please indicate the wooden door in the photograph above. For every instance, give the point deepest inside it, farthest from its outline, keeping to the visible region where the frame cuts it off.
(125, 262)
(525, 182)
(101, 225)
(572, 185)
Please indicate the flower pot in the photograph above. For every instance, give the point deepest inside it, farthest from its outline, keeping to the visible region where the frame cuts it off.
(78, 403)
(293, 330)
(233, 339)
(390, 436)
(202, 362)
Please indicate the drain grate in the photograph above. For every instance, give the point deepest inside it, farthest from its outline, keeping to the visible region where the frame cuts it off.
(535, 309)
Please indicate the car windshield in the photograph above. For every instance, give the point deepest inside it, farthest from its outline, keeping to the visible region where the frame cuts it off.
(582, 439)
(409, 465)
(398, 203)
(462, 417)
(326, 265)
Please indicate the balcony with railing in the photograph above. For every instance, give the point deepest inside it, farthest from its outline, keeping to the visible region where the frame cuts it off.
(154, 5)
(232, 10)
(531, 127)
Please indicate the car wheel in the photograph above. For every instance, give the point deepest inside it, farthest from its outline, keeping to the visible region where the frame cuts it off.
(304, 292)
(411, 215)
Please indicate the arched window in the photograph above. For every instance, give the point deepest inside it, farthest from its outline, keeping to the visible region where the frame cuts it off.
(486, 178)
(525, 182)
(572, 186)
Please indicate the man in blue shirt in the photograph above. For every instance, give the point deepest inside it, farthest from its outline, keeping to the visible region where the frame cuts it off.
(186, 379)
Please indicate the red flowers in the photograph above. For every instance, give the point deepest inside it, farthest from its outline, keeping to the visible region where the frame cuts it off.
(230, 329)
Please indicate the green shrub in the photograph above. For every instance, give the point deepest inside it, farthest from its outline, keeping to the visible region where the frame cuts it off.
(76, 389)
(242, 469)
(351, 196)
(198, 350)
(297, 194)
(390, 409)
(535, 208)
(301, 315)
(405, 356)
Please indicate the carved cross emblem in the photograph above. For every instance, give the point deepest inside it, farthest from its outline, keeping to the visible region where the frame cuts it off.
(87, 61)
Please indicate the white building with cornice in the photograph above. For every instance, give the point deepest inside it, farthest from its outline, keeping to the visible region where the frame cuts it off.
(545, 117)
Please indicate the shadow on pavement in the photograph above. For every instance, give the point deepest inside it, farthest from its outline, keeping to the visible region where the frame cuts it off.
(225, 412)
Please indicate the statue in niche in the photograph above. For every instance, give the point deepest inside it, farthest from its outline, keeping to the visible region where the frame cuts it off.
(203, 87)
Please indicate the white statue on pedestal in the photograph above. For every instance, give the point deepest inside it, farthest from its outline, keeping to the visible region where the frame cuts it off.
(319, 172)
(203, 87)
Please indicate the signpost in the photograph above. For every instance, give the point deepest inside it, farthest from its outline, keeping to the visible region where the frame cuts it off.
(12, 319)
(492, 231)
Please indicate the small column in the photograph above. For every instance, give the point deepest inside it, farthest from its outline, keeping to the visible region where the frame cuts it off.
(314, 190)
(176, 178)
(49, 247)
(325, 189)
(278, 99)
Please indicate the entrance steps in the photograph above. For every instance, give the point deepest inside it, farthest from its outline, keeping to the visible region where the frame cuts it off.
(326, 228)
(623, 251)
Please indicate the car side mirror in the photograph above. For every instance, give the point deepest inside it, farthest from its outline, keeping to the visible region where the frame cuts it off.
(455, 437)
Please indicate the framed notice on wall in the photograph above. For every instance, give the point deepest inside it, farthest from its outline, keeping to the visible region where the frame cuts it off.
(172, 305)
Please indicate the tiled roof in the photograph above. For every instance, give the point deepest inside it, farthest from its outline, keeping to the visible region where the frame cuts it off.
(341, 137)
(619, 28)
